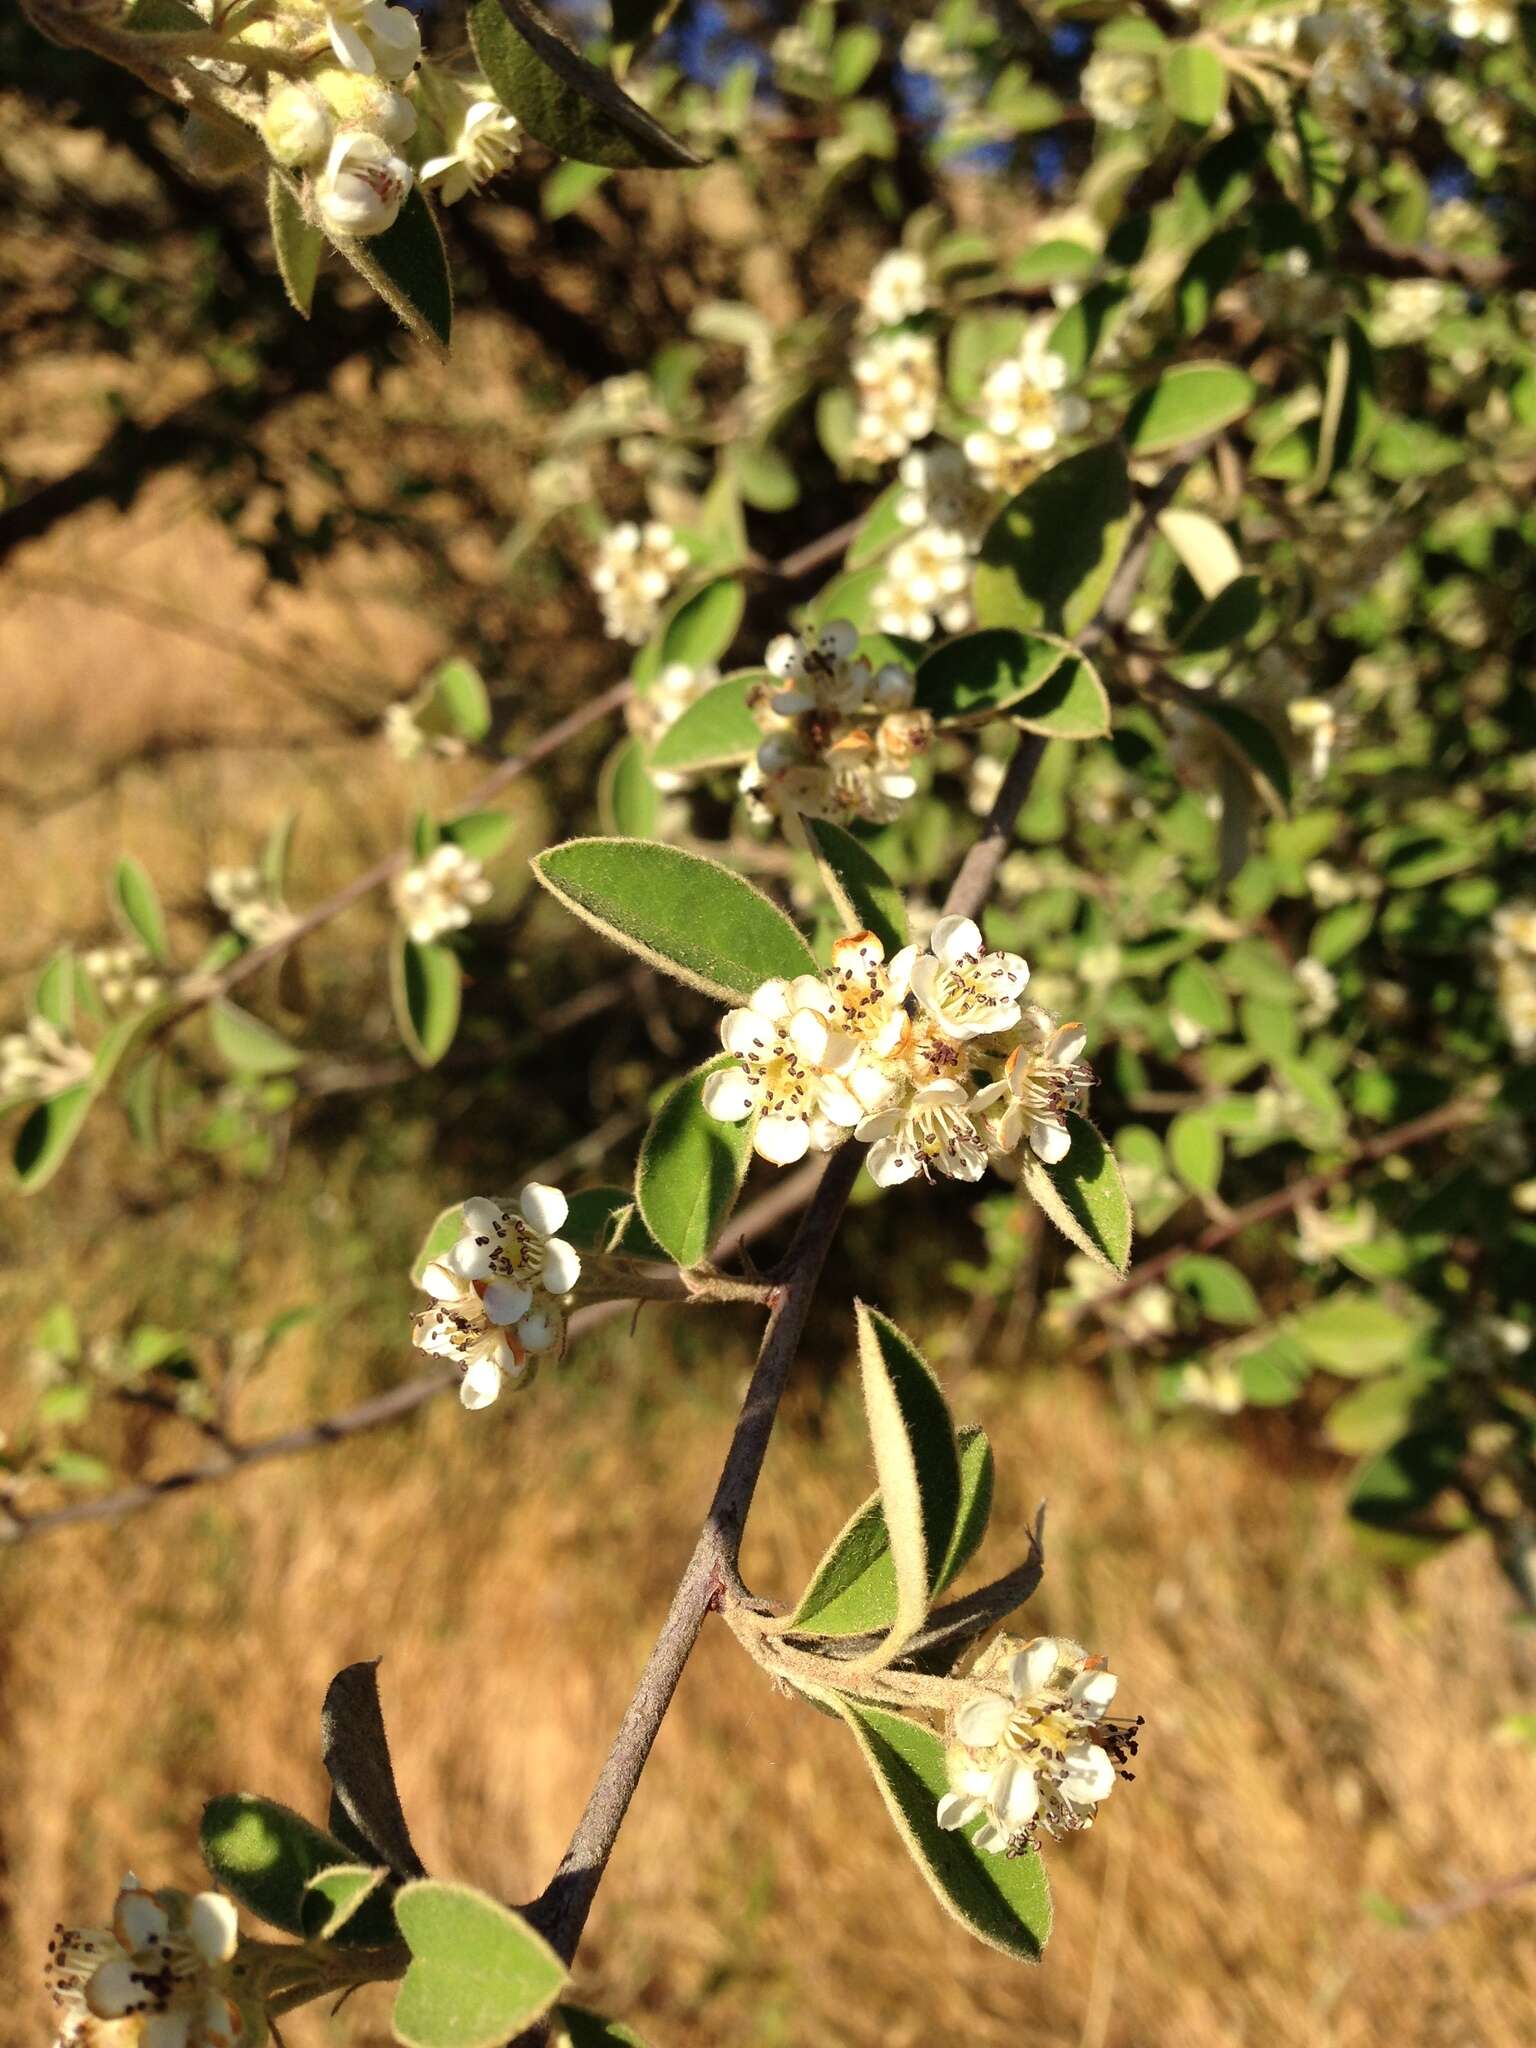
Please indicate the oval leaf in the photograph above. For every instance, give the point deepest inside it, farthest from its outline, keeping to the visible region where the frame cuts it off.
(297, 245)
(1247, 741)
(1004, 1901)
(918, 1466)
(246, 1045)
(1072, 705)
(1049, 555)
(478, 1974)
(716, 731)
(1186, 403)
(345, 1905)
(408, 267)
(980, 674)
(426, 983)
(1084, 1196)
(561, 99)
(628, 802)
(134, 894)
(863, 892)
(689, 916)
(690, 1169)
(266, 1856)
(1196, 80)
(703, 624)
(46, 1134)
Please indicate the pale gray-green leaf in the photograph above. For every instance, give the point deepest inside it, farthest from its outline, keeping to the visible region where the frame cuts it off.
(136, 898)
(297, 244)
(716, 731)
(247, 1045)
(1084, 1196)
(690, 1169)
(864, 893)
(426, 983)
(478, 1971)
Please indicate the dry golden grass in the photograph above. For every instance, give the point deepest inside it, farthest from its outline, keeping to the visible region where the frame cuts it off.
(1316, 1734)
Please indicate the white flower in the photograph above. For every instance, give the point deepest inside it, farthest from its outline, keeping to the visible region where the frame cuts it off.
(485, 141)
(1411, 309)
(1042, 1081)
(869, 993)
(372, 37)
(363, 185)
(1026, 411)
(1491, 21)
(123, 975)
(940, 488)
(966, 990)
(1315, 720)
(1217, 1387)
(499, 1292)
(933, 1130)
(1030, 1746)
(926, 580)
(898, 289)
(251, 907)
(805, 1080)
(821, 670)
(40, 1061)
(1321, 989)
(439, 894)
(1514, 929)
(635, 571)
(155, 1977)
(897, 380)
(1118, 86)
(841, 736)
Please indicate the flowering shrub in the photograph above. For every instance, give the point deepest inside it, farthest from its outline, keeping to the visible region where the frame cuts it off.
(1068, 660)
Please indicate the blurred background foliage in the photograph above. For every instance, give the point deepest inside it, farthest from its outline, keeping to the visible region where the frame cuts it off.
(231, 541)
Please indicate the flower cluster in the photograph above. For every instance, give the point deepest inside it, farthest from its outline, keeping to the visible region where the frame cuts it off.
(898, 289)
(893, 1052)
(1119, 86)
(124, 976)
(1353, 85)
(1029, 1747)
(926, 577)
(156, 1976)
(1514, 955)
(1411, 309)
(840, 736)
(441, 893)
(253, 908)
(897, 380)
(499, 1293)
(635, 571)
(40, 1061)
(1488, 21)
(1026, 411)
(344, 121)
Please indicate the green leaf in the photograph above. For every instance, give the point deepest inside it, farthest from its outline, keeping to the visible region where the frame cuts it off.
(687, 915)
(880, 529)
(297, 245)
(1048, 557)
(1353, 1334)
(481, 834)
(1372, 1417)
(246, 1045)
(1084, 1196)
(562, 100)
(690, 1169)
(1072, 705)
(408, 267)
(1196, 80)
(445, 1230)
(53, 997)
(703, 625)
(866, 897)
(568, 186)
(1003, 1900)
(135, 896)
(1221, 1290)
(1402, 1483)
(348, 1905)
(1195, 992)
(628, 802)
(854, 55)
(266, 1856)
(1187, 403)
(1339, 931)
(852, 1591)
(918, 1465)
(606, 1220)
(1195, 1149)
(715, 731)
(479, 1973)
(1249, 742)
(426, 983)
(46, 1134)
(355, 1751)
(978, 675)
(584, 2029)
(458, 703)
(1229, 616)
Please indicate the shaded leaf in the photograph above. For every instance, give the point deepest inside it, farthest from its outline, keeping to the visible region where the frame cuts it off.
(355, 1751)
(47, 1132)
(690, 1169)
(350, 1906)
(1084, 1196)
(864, 893)
(1187, 403)
(266, 1856)
(426, 984)
(247, 1045)
(716, 731)
(297, 245)
(978, 675)
(628, 802)
(1048, 557)
(408, 267)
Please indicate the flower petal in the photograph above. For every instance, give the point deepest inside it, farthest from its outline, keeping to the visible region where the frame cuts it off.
(1034, 1667)
(214, 1926)
(809, 1036)
(954, 1810)
(729, 1095)
(1089, 1775)
(138, 1919)
(890, 1161)
(545, 1208)
(1092, 1692)
(562, 1266)
(955, 938)
(981, 1720)
(113, 1990)
(539, 1331)
(746, 1033)
(504, 1301)
(167, 2029)
(1050, 1142)
(781, 1139)
(482, 1383)
(1015, 1796)
(482, 1217)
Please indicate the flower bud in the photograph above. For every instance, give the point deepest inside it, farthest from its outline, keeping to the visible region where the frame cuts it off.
(296, 126)
(362, 186)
